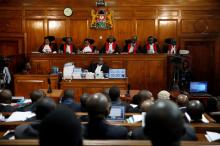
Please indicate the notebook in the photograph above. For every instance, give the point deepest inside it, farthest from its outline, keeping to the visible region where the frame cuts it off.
(117, 113)
(199, 88)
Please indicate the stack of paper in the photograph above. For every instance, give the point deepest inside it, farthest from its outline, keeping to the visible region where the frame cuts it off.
(212, 136)
(68, 71)
(20, 116)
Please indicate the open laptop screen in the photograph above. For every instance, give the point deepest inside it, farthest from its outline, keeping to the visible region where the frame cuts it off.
(117, 113)
(198, 87)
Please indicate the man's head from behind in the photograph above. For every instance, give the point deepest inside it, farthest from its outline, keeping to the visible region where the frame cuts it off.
(60, 128)
(145, 95)
(164, 123)
(182, 100)
(146, 105)
(44, 106)
(68, 93)
(114, 93)
(37, 94)
(5, 96)
(83, 99)
(195, 110)
(98, 106)
(100, 61)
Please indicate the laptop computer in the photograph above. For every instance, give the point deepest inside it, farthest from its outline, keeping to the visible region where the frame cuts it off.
(199, 88)
(117, 113)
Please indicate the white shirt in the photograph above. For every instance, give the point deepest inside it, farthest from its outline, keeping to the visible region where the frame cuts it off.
(98, 69)
(151, 50)
(7, 76)
(46, 49)
(87, 49)
(110, 50)
(173, 49)
(131, 50)
(68, 50)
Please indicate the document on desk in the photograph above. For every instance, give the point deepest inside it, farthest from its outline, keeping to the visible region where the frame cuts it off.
(20, 116)
(67, 72)
(212, 136)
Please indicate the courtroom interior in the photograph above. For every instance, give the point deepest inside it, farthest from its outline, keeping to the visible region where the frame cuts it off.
(109, 72)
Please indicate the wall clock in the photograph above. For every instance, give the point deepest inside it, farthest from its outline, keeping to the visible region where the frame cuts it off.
(68, 12)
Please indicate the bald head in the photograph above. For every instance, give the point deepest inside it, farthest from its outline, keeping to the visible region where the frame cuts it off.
(145, 95)
(98, 106)
(182, 100)
(68, 93)
(44, 106)
(37, 94)
(195, 110)
(164, 123)
(5, 96)
(146, 105)
(163, 95)
(83, 99)
(114, 93)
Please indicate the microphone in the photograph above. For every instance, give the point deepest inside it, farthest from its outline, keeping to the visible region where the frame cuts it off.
(49, 85)
(128, 91)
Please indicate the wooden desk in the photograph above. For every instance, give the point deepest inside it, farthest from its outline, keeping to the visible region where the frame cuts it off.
(143, 71)
(35, 142)
(24, 84)
(56, 94)
(91, 86)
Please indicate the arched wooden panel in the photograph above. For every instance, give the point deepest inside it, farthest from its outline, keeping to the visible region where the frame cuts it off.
(57, 28)
(123, 30)
(35, 34)
(78, 30)
(145, 28)
(167, 28)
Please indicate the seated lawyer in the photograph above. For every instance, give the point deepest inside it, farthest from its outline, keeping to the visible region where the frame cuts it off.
(151, 46)
(60, 128)
(88, 47)
(68, 100)
(5, 101)
(43, 107)
(164, 124)
(98, 67)
(98, 108)
(132, 46)
(67, 47)
(110, 47)
(48, 46)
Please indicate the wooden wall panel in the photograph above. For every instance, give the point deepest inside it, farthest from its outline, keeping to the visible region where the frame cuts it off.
(79, 31)
(35, 34)
(123, 29)
(145, 28)
(167, 29)
(57, 28)
(9, 25)
(8, 48)
(202, 52)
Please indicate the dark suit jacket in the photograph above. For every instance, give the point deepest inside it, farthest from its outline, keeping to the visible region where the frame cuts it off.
(138, 133)
(103, 50)
(27, 131)
(125, 49)
(62, 48)
(7, 108)
(101, 129)
(92, 68)
(71, 104)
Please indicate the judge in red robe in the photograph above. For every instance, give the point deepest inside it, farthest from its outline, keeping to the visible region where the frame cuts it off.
(172, 48)
(151, 46)
(132, 46)
(110, 47)
(88, 47)
(67, 47)
(47, 46)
